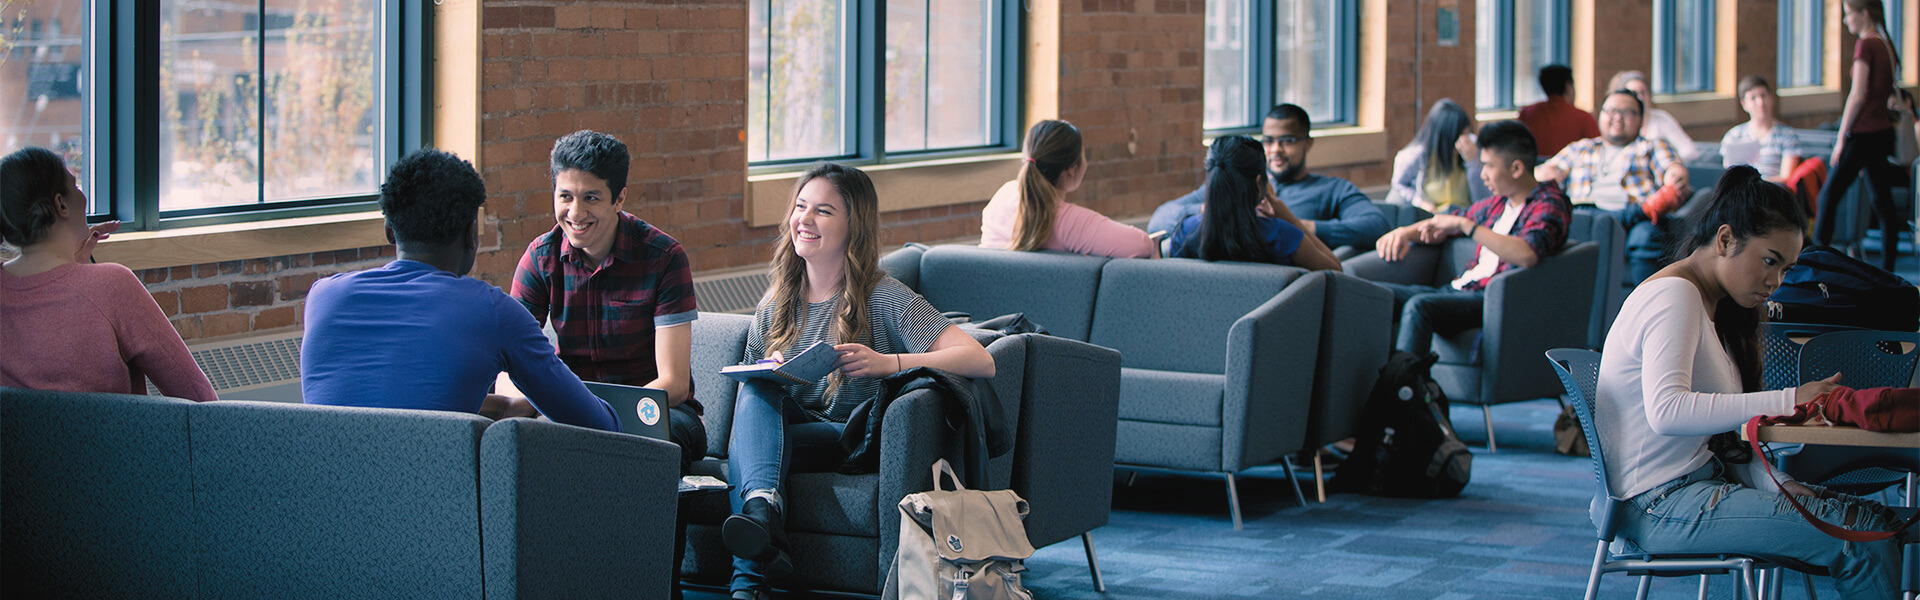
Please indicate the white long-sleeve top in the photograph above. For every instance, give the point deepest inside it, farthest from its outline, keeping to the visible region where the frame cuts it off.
(1666, 385)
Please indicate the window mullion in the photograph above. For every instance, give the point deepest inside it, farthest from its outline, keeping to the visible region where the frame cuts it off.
(136, 113)
(868, 55)
(260, 106)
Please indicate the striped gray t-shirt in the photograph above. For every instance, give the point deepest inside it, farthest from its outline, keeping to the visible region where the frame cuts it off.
(900, 321)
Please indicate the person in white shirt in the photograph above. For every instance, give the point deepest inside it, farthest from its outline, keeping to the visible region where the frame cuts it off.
(1682, 364)
(1657, 124)
(1763, 141)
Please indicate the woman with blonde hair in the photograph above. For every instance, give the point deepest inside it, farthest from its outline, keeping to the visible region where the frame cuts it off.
(826, 287)
(1032, 212)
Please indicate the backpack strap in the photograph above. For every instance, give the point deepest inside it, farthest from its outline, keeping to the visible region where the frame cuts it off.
(1752, 432)
(941, 467)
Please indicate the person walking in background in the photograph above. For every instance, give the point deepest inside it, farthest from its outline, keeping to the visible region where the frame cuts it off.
(1866, 141)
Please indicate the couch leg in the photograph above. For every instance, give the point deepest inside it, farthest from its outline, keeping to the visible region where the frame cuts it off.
(1093, 564)
(1233, 502)
(1486, 413)
(1294, 479)
(1319, 478)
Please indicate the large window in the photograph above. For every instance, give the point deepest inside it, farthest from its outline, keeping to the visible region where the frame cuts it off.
(1803, 35)
(869, 80)
(1683, 39)
(1514, 39)
(185, 112)
(1262, 53)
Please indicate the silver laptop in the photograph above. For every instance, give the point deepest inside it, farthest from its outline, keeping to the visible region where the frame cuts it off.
(642, 411)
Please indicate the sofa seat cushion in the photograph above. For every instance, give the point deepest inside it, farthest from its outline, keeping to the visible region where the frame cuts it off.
(1168, 446)
(1171, 397)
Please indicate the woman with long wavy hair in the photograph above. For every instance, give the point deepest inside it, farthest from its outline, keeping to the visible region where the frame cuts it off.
(827, 287)
(1032, 212)
(1241, 219)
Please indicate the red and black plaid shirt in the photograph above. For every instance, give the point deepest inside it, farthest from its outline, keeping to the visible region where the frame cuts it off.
(606, 313)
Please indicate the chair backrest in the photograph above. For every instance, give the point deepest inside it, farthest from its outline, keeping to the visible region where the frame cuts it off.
(1579, 371)
(1781, 343)
(1865, 359)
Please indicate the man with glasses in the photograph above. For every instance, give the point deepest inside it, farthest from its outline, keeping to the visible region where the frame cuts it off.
(1332, 208)
(1638, 180)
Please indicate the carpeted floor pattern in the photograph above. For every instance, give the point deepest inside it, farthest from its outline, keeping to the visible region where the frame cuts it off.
(1520, 530)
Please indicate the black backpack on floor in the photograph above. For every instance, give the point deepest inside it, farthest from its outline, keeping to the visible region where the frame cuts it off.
(1830, 288)
(1404, 444)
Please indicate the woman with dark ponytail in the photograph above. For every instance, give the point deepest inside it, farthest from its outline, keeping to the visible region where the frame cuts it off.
(1682, 364)
(70, 325)
(1867, 137)
(1032, 213)
(1241, 220)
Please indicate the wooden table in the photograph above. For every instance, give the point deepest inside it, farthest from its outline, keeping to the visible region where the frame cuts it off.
(1837, 435)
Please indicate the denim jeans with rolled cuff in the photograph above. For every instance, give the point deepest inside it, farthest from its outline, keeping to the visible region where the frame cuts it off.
(772, 433)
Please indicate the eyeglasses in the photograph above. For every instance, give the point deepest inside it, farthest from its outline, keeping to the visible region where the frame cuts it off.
(1285, 140)
(1619, 112)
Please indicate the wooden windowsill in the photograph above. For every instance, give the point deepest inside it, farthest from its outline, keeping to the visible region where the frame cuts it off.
(239, 241)
(1798, 102)
(1342, 146)
(901, 186)
(1701, 109)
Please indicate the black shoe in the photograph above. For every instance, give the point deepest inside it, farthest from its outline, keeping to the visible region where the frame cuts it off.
(759, 535)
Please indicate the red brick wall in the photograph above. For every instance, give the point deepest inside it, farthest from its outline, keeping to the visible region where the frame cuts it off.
(240, 296)
(1131, 79)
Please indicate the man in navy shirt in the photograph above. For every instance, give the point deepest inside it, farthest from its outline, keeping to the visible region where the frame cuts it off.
(1333, 209)
(417, 333)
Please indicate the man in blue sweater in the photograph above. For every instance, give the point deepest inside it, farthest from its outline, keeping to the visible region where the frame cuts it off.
(1332, 208)
(418, 333)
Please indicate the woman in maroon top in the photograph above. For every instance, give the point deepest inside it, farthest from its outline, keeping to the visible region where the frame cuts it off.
(1867, 136)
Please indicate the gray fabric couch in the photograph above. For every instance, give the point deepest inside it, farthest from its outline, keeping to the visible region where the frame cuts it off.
(116, 496)
(1227, 365)
(1061, 395)
(1524, 316)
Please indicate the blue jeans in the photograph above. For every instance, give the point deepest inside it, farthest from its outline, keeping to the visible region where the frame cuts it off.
(1705, 512)
(1422, 310)
(768, 429)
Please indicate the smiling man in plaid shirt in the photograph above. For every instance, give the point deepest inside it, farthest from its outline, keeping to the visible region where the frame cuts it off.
(618, 290)
(1637, 179)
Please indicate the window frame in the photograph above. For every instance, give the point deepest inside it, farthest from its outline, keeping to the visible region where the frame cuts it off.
(1665, 14)
(1261, 28)
(1785, 53)
(1504, 79)
(864, 50)
(124, 113)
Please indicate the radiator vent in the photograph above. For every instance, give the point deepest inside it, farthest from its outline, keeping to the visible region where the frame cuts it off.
(248, 363)
(738, 292)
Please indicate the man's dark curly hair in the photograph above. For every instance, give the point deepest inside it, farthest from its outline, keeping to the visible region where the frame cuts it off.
(432, 197)
(594, 152)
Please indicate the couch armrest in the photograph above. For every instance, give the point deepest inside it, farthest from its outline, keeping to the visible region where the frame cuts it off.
(1525, 315)
(1355, 339)
(1063, 453)
(570, 512)
(904, 264)
(1271, 355)
(1417, 268)
(913, 435)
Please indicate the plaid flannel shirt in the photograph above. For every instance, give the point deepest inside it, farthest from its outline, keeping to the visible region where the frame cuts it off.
(606, 314)
(1647, 160)
(1542, 225)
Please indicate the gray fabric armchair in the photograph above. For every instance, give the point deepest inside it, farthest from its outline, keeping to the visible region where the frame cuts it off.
(1499, 362)
(1609, 291)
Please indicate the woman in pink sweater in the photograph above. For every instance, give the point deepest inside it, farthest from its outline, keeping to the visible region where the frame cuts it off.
(69, 325)
(1032, 213)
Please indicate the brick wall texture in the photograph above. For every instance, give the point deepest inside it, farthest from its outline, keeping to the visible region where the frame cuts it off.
(669, 79)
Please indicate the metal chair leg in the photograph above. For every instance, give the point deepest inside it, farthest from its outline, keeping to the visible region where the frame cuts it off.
(1319, 479)
(1486, 413)
(1599, 567)
(1807, 578)
(1093, 563)
(1703, 588)
(1294, 479)
(1233, 502)
(1646, 583)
